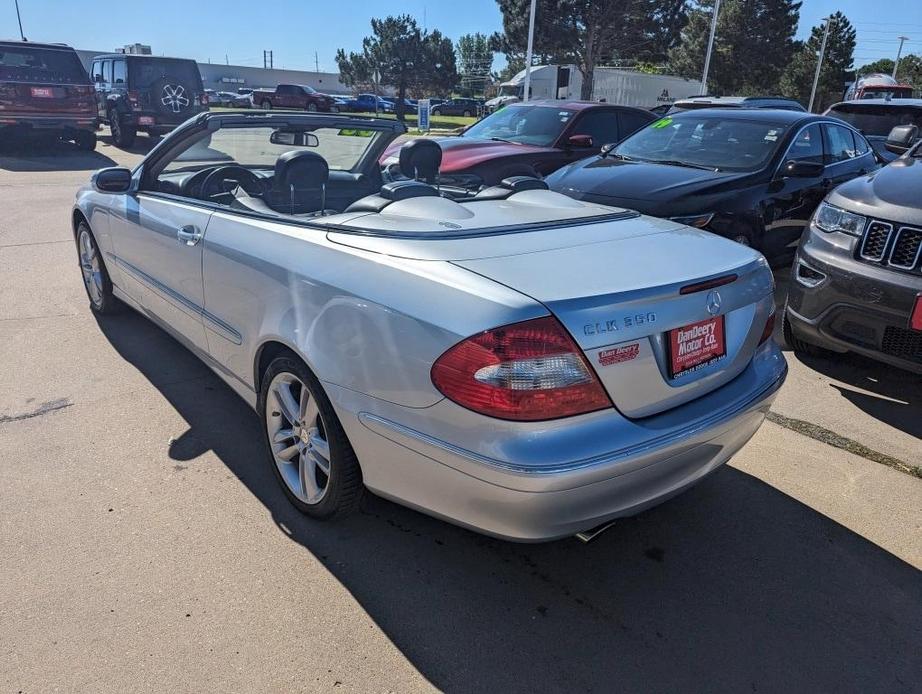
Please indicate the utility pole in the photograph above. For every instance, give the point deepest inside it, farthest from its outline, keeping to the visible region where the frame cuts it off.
(529, 51)
(316, 62)
(267, 60)
(899, 52)
(707, 57)
(19, 17)
(819, 64)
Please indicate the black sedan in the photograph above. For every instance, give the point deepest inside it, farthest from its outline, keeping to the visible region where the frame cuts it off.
(755, 176)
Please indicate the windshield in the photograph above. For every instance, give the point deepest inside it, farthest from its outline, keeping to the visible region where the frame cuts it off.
(146, 72)
(887, 93)
(44, 65)
(877, 120)
(527, 125)
(713, 142)
(342, 148)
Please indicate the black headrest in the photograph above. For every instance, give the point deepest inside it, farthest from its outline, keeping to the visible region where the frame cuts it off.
(302, 169)
(402, 190)
(421, 158)
(519, 183)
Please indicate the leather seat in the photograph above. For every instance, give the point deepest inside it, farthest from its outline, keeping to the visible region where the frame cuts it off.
(420, 159)
(299, 183)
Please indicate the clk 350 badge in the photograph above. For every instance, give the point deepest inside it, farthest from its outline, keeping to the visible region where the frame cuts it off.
(611, 326)
(607, 357)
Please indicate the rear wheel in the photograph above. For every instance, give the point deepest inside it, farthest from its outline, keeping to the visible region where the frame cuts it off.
(467, 114)
(436, 112)
(123, 135)
(312, 107)
(308, 449)
(85, 140)
(95, 276)
(265, 105)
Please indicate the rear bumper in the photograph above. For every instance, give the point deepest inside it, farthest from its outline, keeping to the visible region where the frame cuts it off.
(856, 307)
(616, 467)
(48, 123)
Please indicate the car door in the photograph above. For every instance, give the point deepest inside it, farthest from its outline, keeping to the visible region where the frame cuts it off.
(96, 76)
(157, 242)
(792, 200)
(846, 154)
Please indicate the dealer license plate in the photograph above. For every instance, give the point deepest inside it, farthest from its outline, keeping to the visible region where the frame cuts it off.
(693, 347)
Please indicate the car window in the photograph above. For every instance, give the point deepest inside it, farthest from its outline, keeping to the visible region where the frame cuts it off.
(284, 89)
(119, 72)
(861, 145)
(631, 122)
(96, 71)
(45, 65)
(342, 148)
(807, 146)
(146, 73)
(107, 71)
(524, 124)
(877, 120)
(840, 145)
(600, 124)
(726, 143)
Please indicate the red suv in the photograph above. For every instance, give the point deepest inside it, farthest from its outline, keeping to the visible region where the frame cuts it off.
(45, 90)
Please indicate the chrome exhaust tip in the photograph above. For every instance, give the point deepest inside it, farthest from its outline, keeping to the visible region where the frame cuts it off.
(587, 536)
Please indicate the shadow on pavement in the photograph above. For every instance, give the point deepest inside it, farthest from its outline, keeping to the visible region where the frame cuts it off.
(38, 155)
(732, 586)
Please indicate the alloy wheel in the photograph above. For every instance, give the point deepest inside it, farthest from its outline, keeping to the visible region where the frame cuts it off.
(297, 437)
(89, 265)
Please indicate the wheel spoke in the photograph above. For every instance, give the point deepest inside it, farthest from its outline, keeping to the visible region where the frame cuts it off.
(309, 410)
(289, 453)
(320, 452)
(307, 470)
(287, 402)
(283, 435)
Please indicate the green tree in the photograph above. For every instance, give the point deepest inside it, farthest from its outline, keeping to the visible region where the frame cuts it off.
(588, 33)
(475, 61)
(753, 44)
(797, 79)
(406, 58)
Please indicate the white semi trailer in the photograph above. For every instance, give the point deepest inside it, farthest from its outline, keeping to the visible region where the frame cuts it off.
(614, 85)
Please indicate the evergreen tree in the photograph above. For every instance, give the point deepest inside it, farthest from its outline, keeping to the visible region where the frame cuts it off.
(797, 79)
(753, 44)
(475, 61)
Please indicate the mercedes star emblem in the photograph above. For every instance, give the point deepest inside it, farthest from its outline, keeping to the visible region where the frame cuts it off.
(713, 302)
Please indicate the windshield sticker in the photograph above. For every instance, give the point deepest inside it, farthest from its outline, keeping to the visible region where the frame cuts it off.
(662, 123)
(352, 132)
(771, 136)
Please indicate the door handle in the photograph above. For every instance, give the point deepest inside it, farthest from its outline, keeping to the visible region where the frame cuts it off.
(188, 235)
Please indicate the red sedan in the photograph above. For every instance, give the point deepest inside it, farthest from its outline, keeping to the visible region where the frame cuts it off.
(537, 137)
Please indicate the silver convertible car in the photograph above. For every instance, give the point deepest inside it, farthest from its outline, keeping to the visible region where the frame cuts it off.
(515, 361)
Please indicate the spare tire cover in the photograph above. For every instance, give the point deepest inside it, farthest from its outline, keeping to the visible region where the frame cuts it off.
(171, 97)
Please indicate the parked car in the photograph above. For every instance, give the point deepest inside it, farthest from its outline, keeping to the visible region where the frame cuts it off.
(531, 139)
(875, 118)
(234, 100)
(340, 104)
(878, 86)
(694, 102)
(44, 90)
(458, 107)
(365, 103)
(857, 278)
(146, 93)
(525, 384)
(752, 175)
(297, 96)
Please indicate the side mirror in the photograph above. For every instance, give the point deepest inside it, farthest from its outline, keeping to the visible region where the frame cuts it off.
(579, 141)
(115, 179)
(802, 169)
(901, 138)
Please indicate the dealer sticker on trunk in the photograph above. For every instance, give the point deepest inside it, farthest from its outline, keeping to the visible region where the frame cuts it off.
(695, 346)
(616, 355)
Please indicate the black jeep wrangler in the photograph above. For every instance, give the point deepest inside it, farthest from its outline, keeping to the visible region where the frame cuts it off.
(147, 93)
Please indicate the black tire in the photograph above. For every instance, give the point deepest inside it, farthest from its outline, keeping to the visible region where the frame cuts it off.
(123, 135)
(435, 112)
(106, 303)
(265, 105)
(85, 140)
(467, 114)
(312, 107)
(344, 488)
(794, 342)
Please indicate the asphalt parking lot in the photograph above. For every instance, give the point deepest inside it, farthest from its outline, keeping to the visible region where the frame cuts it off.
(146, 545)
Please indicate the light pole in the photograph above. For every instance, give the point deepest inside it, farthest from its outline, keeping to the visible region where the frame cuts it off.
(528, 51)
(19, 18)
(819, 64)
(899, 51)
(707, 57)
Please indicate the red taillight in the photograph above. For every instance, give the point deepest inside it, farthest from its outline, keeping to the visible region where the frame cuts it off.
(915, 320)
(134, 98)
(768, 329)
(203, 99)
(525, 371)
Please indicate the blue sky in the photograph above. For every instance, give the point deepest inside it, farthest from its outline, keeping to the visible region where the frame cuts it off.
(296, 29)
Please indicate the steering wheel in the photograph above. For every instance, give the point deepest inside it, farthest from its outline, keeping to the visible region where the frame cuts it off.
(222, 181)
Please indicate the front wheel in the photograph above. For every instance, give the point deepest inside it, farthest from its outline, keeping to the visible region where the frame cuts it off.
(306, 445)
(123, 135)
(467, 114)
(266, 105)
(85, 140)
(312, 107)
(96, 279)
